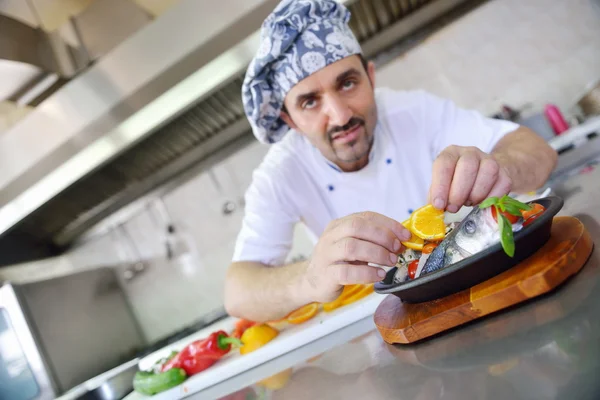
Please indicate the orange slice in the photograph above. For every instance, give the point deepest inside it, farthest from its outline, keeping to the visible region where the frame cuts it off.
(364, 291)
(428, 223)
(278, 324)
(303, 314)
(415, 242)
(348, 291)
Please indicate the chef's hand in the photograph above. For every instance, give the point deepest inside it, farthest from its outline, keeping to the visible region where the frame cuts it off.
(344, 249)
(466, 176)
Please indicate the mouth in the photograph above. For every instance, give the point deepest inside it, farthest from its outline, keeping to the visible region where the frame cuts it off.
(347, 136)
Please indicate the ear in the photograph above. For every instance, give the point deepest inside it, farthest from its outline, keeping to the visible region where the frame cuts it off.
(288, 120)
(371, 72)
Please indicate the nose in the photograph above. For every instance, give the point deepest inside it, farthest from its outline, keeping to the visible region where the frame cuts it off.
(337, 111)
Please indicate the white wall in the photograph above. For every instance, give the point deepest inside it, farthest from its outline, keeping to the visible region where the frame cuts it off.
(171, 294)
(507, 51)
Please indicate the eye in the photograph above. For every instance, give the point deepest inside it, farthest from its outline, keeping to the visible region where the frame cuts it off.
(308, 104)
(470, 227)
(349, 84)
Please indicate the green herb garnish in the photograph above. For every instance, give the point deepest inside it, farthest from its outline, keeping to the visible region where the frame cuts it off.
(506, 204)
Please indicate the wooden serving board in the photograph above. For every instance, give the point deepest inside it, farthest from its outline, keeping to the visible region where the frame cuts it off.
(565, 253)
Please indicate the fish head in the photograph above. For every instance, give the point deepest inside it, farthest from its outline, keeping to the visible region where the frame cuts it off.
(478, 231)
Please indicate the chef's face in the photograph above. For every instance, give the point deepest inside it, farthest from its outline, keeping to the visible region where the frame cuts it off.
(335, 109)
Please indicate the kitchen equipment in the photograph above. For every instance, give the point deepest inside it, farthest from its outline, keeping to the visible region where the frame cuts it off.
(590, 102)
(539, 124)
(562, 256)
(556, 119)
(112, 385)
(511, 113)
(56, 334)
(477, 268)
(23, 374)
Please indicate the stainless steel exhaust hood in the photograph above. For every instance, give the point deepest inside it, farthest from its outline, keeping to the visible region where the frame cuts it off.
(161, 102)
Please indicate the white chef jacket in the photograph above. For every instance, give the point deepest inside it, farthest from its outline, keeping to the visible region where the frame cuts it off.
(295, 183)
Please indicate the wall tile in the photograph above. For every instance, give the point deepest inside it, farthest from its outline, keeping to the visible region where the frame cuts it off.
(147, 236)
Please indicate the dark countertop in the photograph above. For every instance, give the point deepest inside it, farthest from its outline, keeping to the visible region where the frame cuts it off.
(548, 348)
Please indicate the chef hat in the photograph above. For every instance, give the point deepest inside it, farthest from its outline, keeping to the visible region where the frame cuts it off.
(297, 39)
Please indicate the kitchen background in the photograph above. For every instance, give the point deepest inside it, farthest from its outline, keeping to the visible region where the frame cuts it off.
(171, 252)
(503, 52)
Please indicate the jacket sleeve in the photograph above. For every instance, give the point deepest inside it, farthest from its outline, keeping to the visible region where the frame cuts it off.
(267, 230)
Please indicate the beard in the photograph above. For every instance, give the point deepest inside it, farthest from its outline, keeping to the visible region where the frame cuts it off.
(354, 150)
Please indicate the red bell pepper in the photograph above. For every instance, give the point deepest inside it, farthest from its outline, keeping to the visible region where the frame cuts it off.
(201, 354)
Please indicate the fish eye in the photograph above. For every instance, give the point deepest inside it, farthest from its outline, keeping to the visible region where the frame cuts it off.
(470, 227)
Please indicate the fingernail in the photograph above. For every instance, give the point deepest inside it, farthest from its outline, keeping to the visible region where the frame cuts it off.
(393, 258)
(396, 245)
(452, 208)
(406, 235)
(438, 203)
(381, 273)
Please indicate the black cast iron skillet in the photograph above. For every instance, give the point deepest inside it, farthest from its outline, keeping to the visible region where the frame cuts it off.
(477, 268)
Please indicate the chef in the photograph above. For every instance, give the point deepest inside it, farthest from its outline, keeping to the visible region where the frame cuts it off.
(349, 160)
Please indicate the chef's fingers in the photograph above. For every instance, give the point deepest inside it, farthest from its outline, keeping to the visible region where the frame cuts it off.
(353, 249)
(488, 174)
(374, 227)
(463, 180)
(381, 220)
(347, 274)
(502, 186)
(441, 177)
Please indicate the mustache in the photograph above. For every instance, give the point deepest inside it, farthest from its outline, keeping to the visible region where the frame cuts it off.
(352, 123)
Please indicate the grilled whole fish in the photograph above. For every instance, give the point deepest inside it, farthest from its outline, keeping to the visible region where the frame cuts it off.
(476, 232)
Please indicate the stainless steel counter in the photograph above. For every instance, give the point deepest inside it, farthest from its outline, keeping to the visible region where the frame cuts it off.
(548, 348)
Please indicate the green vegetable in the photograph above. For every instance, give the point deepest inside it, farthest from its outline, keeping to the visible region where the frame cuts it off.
(511, 206)
(490, 201)
(506, 235)
(150, 383)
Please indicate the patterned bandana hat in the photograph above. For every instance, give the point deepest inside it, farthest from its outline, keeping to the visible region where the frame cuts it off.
(297, 39)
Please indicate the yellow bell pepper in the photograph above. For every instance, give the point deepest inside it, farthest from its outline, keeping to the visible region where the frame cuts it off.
(257, 336)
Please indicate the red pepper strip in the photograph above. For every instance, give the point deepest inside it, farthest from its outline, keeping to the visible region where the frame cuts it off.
(512, 218)
(240, 327)
(536, 209)
(412, 269)
(201, 354)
